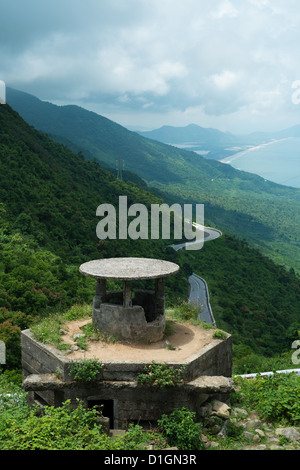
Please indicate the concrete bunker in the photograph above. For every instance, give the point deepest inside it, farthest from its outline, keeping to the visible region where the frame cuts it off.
(207, 364)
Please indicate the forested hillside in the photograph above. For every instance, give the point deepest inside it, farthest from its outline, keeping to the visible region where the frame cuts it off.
(49, 197)
(266, 214)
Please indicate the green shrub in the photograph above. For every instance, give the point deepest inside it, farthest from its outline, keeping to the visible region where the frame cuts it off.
(181, 430)
(161, 375)
(186, 311)
(276, 397)
(219, 334)
(63, 428)
(86, 370)
(60, 428)
(12, 376)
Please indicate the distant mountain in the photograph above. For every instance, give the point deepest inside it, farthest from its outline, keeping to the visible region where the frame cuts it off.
(213, 137)
(293, 131)
(240, 203)
(191, 134)
(218, 144)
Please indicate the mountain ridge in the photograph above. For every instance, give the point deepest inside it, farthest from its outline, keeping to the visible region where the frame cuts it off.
(191, 133)
(238, 202)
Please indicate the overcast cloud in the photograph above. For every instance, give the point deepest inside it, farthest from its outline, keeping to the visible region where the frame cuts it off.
(228, 64)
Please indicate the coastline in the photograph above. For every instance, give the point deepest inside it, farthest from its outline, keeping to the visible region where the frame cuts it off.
(235, 156)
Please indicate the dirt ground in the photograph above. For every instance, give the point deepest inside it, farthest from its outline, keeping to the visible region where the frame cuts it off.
(185, 341)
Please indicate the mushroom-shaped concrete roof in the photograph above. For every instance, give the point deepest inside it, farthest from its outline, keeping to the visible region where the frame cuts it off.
(127, 269)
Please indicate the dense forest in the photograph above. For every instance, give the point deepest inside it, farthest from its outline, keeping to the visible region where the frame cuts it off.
(265, 214)
(49, 196)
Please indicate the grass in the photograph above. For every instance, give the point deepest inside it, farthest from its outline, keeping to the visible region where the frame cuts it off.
(49, 330)
(188, 313)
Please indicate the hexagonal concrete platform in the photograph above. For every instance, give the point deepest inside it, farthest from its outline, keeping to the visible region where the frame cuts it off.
(207, 374)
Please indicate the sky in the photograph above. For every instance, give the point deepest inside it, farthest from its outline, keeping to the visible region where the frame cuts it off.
(233, 65)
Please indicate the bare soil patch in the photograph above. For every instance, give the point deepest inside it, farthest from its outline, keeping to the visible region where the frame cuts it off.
(185, 340)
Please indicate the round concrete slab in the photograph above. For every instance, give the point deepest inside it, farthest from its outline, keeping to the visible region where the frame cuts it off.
(127, 269)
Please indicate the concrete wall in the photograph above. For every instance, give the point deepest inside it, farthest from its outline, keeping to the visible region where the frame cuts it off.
(207, 375)
(144, 320)
(212, 360)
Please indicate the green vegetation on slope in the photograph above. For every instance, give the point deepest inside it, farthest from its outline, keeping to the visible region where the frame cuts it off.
(252, 298)
(48, 199)
(267, 215)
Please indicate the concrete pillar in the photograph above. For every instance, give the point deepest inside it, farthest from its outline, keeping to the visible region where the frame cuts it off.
(101, 287)
(159, 296)
(100, 292)
(127, 301)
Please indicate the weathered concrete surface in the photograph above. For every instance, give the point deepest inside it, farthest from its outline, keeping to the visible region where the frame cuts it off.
(127, 269)
(47, 379)
(42, 382)
(138, 319)
(131, 401)
(206, 385)
(212, 384)
(214, 359)
(128, 323)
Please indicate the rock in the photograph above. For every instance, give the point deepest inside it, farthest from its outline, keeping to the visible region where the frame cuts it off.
(261, 447)
(251, 437)
(214, 445)
(78, 335)
(206, 441)
(205, 410)
(223, 432)
(274, 447)
(214, 424)
(252, 424)
(260, 433)
(248, 435)
(215, 429)
(221, 410)
(239, 412)
(289, 433)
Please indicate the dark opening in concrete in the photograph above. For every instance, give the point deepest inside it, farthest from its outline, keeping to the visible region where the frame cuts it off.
(38, 399)
(106, 407)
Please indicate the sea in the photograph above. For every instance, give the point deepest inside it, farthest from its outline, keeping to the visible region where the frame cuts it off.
(277, 161)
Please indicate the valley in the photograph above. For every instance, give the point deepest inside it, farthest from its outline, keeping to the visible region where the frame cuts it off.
(49, 197)
(265, 214)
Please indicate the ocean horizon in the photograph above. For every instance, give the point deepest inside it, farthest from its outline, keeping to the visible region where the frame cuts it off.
(277, 161)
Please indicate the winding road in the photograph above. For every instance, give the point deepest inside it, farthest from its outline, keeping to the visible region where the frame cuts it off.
(206, 234)
(199, 294)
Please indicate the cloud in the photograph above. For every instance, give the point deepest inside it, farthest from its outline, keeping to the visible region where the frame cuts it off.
(225, 9)
(139, 60)
(225, 79)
